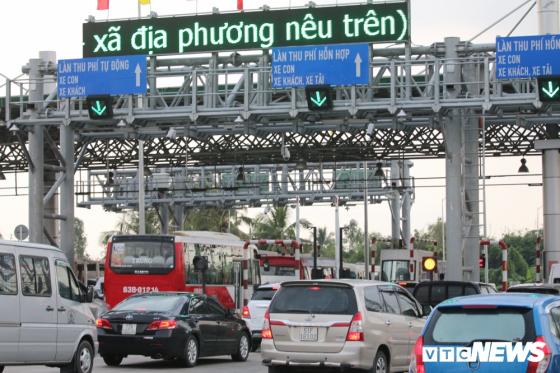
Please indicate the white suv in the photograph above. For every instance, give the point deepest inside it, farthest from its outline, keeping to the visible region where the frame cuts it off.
(253, 313)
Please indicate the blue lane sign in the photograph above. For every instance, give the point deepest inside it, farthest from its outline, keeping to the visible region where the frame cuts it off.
(337, 64)
(118, 75)
(523, 57)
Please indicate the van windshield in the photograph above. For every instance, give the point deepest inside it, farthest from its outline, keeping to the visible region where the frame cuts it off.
(315, 299)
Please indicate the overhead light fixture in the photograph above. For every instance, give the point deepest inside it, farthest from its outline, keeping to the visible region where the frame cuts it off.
(379, 171)
(171, 134)
(370, 128)
(239, 119)
(401, 115)
(523, 168)
(301, 164)
(121, 123)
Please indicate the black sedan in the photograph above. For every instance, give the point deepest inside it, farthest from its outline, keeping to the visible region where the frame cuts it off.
(182, 326)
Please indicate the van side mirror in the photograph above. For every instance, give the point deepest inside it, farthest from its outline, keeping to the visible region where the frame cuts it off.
(89, 294)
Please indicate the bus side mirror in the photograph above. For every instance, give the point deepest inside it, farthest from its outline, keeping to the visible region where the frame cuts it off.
(89, 294)
(426, 309)
(266, 265)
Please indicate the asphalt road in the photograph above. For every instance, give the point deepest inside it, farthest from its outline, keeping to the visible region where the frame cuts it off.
(143, 364)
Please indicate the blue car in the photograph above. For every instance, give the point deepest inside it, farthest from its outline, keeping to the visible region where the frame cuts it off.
(498, 333)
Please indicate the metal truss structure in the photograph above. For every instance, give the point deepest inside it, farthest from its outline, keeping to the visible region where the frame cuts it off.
(221, 110)
(248, 185)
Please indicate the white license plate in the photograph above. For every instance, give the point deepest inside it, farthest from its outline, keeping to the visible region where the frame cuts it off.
(128, 329)
(308, 334)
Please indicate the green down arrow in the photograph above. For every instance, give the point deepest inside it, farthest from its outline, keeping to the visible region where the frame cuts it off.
(550, 91)
(317, 100)
(99, 109)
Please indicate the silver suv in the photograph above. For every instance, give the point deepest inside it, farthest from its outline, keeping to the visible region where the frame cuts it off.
(341, 323)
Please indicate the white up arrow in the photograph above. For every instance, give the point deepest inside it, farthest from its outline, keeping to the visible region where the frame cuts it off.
(138, 72)
(358, 61)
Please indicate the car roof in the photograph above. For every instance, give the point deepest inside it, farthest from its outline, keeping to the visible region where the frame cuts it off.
(533, 285)
(29, 245)
(501, 300)
(166, 293)
(269, 286)
(451, 282)
(349, 282)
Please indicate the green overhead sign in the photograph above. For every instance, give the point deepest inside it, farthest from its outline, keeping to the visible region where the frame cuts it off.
(372, 23)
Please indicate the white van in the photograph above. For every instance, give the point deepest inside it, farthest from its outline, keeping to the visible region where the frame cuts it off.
(43, 316)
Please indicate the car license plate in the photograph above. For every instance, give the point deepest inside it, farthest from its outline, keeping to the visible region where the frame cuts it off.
(308, 334)
(128, 329)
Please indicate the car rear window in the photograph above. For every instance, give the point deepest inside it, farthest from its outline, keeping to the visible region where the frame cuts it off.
(315, 299)
(150, 303)
(263, 294)
(464, 326)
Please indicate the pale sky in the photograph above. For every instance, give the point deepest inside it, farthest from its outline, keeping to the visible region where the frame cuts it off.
(30, 26)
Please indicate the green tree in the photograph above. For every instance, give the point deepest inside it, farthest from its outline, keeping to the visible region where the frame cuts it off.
(274, 224)
(217, 220)
(80, 239)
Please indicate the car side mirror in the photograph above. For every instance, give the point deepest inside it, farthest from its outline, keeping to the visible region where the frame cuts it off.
(89, 294)
(426, 309)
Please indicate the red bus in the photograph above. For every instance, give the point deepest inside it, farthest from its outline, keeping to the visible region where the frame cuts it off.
(146, 263)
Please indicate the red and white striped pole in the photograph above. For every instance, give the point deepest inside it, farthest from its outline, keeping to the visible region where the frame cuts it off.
(504, 248)
(245, 268)
(411, 260)
(297, 256)
(538, 275)
(372, 256)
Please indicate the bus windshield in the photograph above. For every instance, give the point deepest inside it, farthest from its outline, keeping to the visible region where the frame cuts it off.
(142, 256)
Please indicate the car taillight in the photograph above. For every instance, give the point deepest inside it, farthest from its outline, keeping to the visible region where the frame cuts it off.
(418, 355)
(540, 366)
(245, 313)
(162, 325)
(103, 324)
(266, 332)
(356, 331)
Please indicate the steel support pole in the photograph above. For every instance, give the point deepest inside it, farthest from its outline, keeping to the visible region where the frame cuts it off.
(548, 13)
(453, 165)
(366, 231)
(141, 186)
(36, 153)
(406, 203)
(338, 238)
(67, 193)
(395, 206)
(453, 178)
(471, 251)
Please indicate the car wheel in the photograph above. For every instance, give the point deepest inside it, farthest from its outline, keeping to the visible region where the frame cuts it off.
(82, 361)
(190, 355)
(380, 363)
(243, 348)
(1, 368)
(112, 360)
